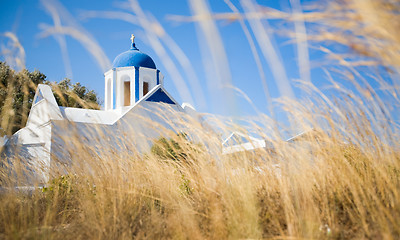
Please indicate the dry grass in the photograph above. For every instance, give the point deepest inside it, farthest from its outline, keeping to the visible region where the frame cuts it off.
(325, 190)
(341, 181)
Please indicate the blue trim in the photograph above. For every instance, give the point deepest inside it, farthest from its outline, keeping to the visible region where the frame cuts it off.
(136, 84)
(160, 96)
(158, 76)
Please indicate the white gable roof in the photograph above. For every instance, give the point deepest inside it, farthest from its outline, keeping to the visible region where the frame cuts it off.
(45, 97)
(89, 115)
(237, 142)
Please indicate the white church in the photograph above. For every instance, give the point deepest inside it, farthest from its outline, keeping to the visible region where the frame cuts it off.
(136, 109)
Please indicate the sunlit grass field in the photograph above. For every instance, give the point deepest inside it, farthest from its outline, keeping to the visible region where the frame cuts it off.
(341, 180)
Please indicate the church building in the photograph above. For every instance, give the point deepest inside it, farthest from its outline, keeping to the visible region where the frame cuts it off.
(137, 109)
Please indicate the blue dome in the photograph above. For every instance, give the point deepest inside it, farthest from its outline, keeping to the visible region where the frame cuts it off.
(133, 57)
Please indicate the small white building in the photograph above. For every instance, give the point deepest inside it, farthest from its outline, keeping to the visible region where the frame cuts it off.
(137, 108)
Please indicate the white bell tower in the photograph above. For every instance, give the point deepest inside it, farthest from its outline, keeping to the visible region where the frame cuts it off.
(132, 76)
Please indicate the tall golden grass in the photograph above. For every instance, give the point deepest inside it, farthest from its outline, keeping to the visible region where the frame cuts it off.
(339, 181)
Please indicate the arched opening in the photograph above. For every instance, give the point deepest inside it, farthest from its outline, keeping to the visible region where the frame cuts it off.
(127, 90)
(146, 85)
(127, 93)
(145, 88)
(109, 94)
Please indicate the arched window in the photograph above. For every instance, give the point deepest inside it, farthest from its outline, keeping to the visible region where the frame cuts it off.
(109, 94)
(145, 88)
(146, 85)
(127, 89)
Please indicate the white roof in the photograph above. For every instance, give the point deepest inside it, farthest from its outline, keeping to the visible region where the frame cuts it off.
(80, 115)
(237, 142)
(89, 115)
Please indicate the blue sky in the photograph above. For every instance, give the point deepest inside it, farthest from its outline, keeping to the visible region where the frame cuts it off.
(26, 18)
(29, 19)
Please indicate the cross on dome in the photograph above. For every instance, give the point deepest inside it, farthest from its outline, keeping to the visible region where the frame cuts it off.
(133, 75)
(133, 58)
